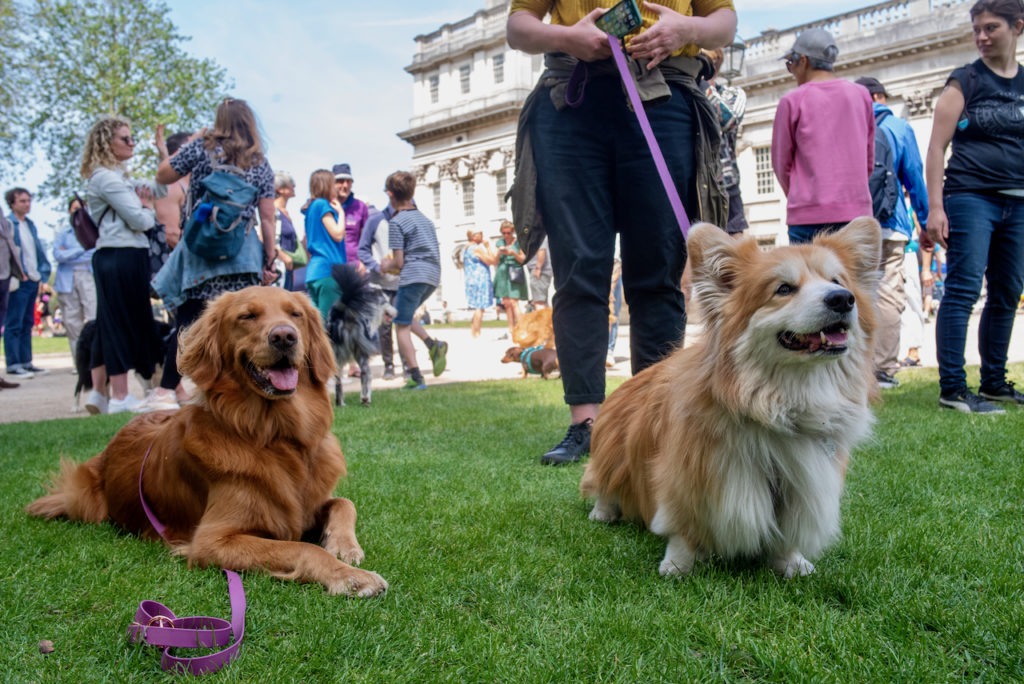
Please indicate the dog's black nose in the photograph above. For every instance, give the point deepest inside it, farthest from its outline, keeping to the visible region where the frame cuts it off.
(283, 337)
(840, 301)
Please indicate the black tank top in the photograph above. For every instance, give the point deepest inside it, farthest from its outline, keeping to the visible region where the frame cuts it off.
(988, 145)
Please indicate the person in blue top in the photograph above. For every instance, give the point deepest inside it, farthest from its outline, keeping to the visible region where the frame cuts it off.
(325, 241)
(21, 305)
(896, 232)
(74, 283)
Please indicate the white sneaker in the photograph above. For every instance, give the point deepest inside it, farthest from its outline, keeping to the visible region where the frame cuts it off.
(609, 360)
(157, 401)
(129, 403)
(96, 403)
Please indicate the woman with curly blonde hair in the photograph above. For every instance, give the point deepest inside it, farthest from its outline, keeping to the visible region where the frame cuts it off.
(126, 336)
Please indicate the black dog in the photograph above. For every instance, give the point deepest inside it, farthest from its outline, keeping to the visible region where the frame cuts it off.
(83, 359)
(352, 326)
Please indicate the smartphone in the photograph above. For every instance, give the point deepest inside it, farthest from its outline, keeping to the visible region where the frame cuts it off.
(620, 20)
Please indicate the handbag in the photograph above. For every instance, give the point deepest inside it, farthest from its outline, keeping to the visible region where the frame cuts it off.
(516, 275)
(300, 257)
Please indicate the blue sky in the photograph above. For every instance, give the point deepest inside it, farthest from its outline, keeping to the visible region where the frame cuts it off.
(327, 79)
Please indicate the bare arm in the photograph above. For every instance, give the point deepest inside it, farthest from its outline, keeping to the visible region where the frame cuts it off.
(947, 110)
(673, 30)
(336, 231)
(527, 32)
(483, 253)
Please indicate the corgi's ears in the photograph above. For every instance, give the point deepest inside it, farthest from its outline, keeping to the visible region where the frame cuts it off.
(715, 262)
(859, 246)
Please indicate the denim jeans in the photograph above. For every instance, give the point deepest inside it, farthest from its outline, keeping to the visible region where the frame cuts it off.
(802, 234)
(21, 318)
(596, 177)
(986, 238)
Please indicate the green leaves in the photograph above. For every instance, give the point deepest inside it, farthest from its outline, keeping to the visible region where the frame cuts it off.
(82, 59)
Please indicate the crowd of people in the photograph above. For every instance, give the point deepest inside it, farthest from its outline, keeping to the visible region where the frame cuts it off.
(839, 151)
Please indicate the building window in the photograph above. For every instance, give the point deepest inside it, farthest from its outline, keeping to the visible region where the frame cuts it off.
(464, 78)
(501, 183)
(498, 61)
(435, 190)
(435, 82)
(467, 197)
(763, 169)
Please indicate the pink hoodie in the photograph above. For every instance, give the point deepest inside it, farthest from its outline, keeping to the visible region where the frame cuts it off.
(823, 149)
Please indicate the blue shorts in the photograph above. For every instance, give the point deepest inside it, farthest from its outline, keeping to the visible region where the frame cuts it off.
(408, 299)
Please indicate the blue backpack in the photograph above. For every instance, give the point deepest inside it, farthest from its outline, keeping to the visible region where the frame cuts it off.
(883, 183)
(216, 228)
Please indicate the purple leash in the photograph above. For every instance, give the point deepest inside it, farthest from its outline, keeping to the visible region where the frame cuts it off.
(652, 142)
(156, 625)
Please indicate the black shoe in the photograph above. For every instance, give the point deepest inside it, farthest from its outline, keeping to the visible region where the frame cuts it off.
(35, 369)
(389, 372)
(886, 381)
(575, 445)
(967, 402)
(1004, 393)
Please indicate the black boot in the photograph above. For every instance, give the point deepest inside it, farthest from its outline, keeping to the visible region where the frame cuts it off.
(575, 445)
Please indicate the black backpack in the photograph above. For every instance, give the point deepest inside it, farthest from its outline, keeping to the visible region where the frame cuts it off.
(883, 183)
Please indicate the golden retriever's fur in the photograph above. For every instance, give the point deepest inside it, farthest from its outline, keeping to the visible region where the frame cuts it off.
(241, 476)
(738, 444)
(535, 329)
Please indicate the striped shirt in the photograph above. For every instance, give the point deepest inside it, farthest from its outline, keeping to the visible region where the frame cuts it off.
(568, 12)
(413, 233)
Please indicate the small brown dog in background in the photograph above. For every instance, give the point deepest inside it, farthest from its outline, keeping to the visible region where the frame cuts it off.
(535, 329)
(533, 359)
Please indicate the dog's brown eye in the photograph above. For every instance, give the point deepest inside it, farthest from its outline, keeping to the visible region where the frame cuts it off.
(785, 289)
(296, 314)
(247, 317)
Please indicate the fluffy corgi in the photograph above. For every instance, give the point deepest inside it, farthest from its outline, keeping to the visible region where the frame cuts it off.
(737, 445)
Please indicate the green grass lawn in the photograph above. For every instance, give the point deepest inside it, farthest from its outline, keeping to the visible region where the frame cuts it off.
(496, 574)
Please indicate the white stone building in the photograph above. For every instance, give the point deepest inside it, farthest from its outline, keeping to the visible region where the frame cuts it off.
(469, 86)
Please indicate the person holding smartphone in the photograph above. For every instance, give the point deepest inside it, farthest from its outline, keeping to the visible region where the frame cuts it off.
(595, 177)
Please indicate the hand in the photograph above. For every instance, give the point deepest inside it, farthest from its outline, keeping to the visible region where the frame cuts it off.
(160, 143)
(269, 277)
(536, 273)
(361, 268)
(938, 227)
(585, 41)
(145, 196)
(670, 32)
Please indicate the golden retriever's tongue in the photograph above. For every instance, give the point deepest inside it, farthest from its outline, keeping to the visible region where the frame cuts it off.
(284, 380)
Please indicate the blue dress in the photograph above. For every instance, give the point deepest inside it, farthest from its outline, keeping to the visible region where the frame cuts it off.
(479, 289)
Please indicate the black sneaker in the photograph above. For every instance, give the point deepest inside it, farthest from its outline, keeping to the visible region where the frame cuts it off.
(575, 445)
(886, 381)
(1004, 393)
(389, 372)
(967, 402)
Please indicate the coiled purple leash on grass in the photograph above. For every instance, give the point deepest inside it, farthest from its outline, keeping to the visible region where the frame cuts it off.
(157, 625)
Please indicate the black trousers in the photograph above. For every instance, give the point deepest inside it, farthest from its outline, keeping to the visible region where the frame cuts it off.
(127, 337)
(596, 178)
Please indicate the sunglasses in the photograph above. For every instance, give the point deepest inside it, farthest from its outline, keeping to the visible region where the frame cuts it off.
(791, 62)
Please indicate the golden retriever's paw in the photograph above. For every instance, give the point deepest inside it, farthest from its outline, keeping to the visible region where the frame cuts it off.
(347, 551)
(361, 583)
(678, 558)
(792, 565)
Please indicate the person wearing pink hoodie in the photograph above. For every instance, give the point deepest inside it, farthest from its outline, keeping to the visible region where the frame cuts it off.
(823, 141)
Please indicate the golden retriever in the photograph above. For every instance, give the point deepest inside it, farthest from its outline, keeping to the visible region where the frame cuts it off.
(535, 329)
(242, 475)
(737, 445)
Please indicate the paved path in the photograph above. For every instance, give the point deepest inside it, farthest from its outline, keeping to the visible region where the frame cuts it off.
(469, 360)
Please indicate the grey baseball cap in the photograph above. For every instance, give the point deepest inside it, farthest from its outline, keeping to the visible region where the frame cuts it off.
(817, 44)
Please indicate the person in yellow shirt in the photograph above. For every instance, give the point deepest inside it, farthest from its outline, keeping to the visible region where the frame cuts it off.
(590, 174)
